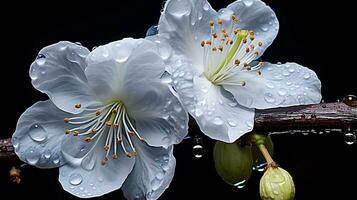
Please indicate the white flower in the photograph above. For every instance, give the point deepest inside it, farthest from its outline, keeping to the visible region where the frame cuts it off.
(214, 68)
(110, 122)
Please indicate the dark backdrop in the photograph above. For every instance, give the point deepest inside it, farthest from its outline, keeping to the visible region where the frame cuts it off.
(317, 34)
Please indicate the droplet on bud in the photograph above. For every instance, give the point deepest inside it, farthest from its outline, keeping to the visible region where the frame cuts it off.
(276, 183)
(197, 149)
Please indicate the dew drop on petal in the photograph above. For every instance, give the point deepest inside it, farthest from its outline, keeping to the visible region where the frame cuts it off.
(122, 55)
(178, 8)
(269, 85)
(47, 154)
(232, 122)
(218, 121)
(282, 92)
(206, 6)
(155, 184)
(166, 77)
(55, 159)
(32, 156)
(37, 133)
(306, 76)
(269, 98)
(78, 43)
(75, 179)
(40, 59)
(88, 162)
(264, 28)
(248, 3)
(291, 70)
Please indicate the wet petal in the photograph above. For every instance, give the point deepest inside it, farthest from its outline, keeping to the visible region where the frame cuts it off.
(279, 85)
(86, 177)
(38, 135)
(58, 71)
(152, 173)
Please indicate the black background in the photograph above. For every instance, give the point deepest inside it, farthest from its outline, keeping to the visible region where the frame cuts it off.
(317, 34)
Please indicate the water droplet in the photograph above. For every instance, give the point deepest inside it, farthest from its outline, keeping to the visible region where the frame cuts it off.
(40, 59)
(178, 108)
(15, 143)
(178, 8)
(153, 30)
(248, 3)
(166, 77)
(94, 48)
(100, 179)
(75, 179)
(55, 159)
(155, 184)
(206, 6)
(306, 76)
(32, 156)
(250, 125)
(291, 70)
(270, 68)
(122, 55)
(269, 85)
(78, 43)
(47, 154)
(241, 184)
(350, 138)
(282, 92)
(260, 167)
(37, 133)
(233, 104)
(286, 73)
(218, 121)
(305, 133)
(264, 28)
(88, 162)
(350, 100)
(289, 83)
(269, 98)
(160, 175)
(198, 151)
(232, 122)
(164, 50)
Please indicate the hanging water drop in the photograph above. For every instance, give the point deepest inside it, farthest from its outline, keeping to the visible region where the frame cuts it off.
(197, 150)
(241, 184)
(350, 100)
(37, 133)
(75, 179)
(153, 30)
(349, 137)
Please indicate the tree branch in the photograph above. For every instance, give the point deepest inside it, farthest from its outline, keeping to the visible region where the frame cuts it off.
(340, 115)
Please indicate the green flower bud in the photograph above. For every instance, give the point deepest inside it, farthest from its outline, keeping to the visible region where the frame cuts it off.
(277, 184)
(258, 158)
(233, 162)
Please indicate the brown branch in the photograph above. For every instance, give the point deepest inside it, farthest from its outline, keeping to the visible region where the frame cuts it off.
(340, 115)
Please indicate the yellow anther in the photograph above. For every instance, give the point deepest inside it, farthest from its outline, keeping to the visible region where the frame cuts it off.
(211, 22)
(128, 154)
(104, 161)
(78, 105)
(208, 42)
(114, 156)
(114, 110)
(75, 133)
(234, 18)
(256, 53)
(223, 30)
(252, 46)
(142, 139)
(131, 133)
(245, 64)
(109, 123)
(244, 40)
(66, 120)
(260, 44)
(120, 141)
(220, 21)
(202, 43)
(247, 50)
(214, 35)
(222, 40)
(214, 49)
(94, 130)
(243, 83)
(251, 37)
(225, 35)
(237, 62)
(259, 73)
(220, 48)
(261, 63)
(106, 147)
(88, 139)
(67, 132)
(97, 113)
(236, 31)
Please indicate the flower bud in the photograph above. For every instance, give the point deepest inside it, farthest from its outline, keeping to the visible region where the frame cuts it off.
(233, 162)
(277, 183)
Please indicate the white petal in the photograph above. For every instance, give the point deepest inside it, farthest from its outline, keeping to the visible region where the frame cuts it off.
(152, 174)
(87, 178)
(185, 23)
(279, 85)
(218, 115)
(256, 16)
(38, 135)
(58, 71)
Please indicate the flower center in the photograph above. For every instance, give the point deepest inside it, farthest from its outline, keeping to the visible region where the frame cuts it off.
(111, 121)
(229, 51)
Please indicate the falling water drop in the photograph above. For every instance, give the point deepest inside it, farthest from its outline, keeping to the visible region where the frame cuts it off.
(197, 150)
(241, 184)
(75, 179)
(153, 30)
(349, 137)
(37, 133)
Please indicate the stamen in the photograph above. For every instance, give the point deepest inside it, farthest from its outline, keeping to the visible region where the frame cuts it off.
(66, 120)
(220, 21)
(67, 132)
(78, 105)
(75, 133)
(260, 44)
(202, 43)
(211, 22)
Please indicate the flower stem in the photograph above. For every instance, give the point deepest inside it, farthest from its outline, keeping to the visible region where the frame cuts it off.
(266, 155)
